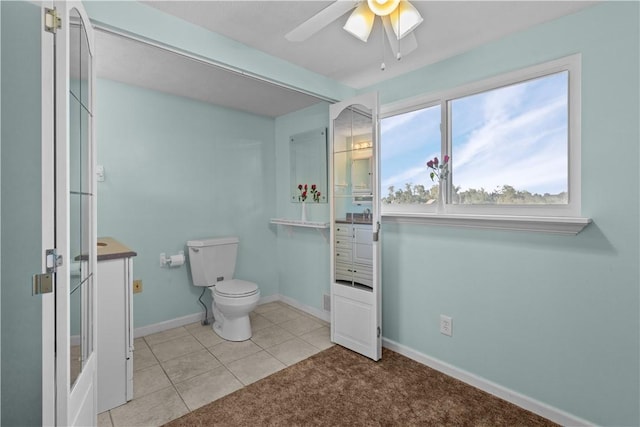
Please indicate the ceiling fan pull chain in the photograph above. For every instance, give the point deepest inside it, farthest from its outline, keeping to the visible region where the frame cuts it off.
(398, 54)
(383, 65)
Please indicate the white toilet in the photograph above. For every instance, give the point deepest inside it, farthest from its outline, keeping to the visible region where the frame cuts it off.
(213, 262)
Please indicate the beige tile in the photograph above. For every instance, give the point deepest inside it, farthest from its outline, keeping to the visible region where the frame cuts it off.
(320, 338)
(280, 315)
(270, 306)
(167, 335)
(271, 336)
(207, 387)
(154, 409)
(143, 358)
(194, 325)
(259, 322)
(206, 336)
(301, 325)
(140, 343)
(255, 367)
(292, 351)
(177, 347)
(104, 419)
(190, 365)
(149, 380)
(229, 351)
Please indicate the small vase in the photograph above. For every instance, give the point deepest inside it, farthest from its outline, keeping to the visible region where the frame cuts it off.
(441, 191)
(304, 212)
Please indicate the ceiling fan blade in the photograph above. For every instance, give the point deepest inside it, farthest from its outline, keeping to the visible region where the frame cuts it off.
(404, 47)
(320, 20)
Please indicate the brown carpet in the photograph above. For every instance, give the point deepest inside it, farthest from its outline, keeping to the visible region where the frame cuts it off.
(338, 387)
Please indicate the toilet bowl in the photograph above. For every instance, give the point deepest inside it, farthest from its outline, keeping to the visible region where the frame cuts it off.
(212, 264)
(233, 300)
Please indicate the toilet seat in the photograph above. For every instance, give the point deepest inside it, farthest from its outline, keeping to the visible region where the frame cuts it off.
(235, 288)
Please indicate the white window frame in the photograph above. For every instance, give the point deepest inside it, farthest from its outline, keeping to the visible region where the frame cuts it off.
(563, 219)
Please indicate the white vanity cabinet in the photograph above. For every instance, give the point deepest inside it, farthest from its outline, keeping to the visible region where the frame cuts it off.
(354, 254)
(115, 324)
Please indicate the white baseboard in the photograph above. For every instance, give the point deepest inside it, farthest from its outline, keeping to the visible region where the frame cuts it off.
(190, 318)
(167, 324)
(542, 409)
(316, 312)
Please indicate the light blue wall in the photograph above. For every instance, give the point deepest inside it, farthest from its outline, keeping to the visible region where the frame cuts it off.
(554, 318)
(177, 170)
(21, 214)
(303, 253)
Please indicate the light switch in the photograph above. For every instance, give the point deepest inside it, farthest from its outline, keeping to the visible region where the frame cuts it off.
(100, 173)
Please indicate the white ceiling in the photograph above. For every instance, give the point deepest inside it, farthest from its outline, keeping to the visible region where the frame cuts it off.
(449, 28)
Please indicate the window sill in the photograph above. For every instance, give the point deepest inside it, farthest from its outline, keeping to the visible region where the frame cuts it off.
(540, 224)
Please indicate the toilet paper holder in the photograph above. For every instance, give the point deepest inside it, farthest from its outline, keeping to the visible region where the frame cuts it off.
(171, 261)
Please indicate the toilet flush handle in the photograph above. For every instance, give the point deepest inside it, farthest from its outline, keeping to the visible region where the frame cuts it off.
(195, 249)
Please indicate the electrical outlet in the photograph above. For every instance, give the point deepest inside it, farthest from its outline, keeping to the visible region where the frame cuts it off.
(137, 286)
(446, 325)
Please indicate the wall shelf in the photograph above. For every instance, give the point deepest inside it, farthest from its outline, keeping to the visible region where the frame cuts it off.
(298, 223)
(291, 223)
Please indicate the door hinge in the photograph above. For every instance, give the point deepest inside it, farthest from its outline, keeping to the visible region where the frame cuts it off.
(379, 331)
(52, 21)
(43, 283)
(53, 260)
(376, 234)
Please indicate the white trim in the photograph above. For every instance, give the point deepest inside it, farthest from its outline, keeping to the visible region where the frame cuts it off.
(167, 324)
(528, 403)
(541, 224)
(184, 320)
(315, 312)
(48, 205)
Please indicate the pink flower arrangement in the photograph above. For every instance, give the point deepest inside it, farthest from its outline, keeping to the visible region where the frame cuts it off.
(303, 192)
(315, 193)
(439, 170)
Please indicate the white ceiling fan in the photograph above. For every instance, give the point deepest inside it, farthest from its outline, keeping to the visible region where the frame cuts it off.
(399, 19)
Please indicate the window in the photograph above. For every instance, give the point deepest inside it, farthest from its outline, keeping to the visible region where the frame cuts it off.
(513, 141)
(407, 141)
(510, 145)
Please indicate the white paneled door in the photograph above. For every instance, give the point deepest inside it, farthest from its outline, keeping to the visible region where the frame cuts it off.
(355, 223)
(69, 216)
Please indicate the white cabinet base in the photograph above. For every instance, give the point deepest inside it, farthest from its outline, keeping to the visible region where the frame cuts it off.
(115, 333)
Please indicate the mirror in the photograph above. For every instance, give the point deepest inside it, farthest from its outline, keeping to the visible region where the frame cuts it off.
(308, 160)
(80, 197)
(353, 188)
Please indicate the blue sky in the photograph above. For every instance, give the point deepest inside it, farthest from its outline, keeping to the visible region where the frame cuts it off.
(515, 135)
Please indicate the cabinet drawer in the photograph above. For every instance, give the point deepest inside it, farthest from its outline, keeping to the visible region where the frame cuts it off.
(344, 230)
(343, 255)
(345, 242)
(343, 271)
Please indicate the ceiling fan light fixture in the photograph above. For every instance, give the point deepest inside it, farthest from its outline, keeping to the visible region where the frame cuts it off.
(405, 19)
(360, 22)
(383, 7)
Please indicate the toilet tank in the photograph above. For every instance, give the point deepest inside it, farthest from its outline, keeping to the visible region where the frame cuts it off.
(212, 260)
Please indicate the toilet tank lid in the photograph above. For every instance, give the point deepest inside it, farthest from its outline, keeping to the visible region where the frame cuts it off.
(212, 242)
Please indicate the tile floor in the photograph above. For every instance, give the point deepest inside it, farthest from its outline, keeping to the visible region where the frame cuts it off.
(182, 369)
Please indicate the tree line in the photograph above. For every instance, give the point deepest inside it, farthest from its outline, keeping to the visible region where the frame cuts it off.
(505, 195)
